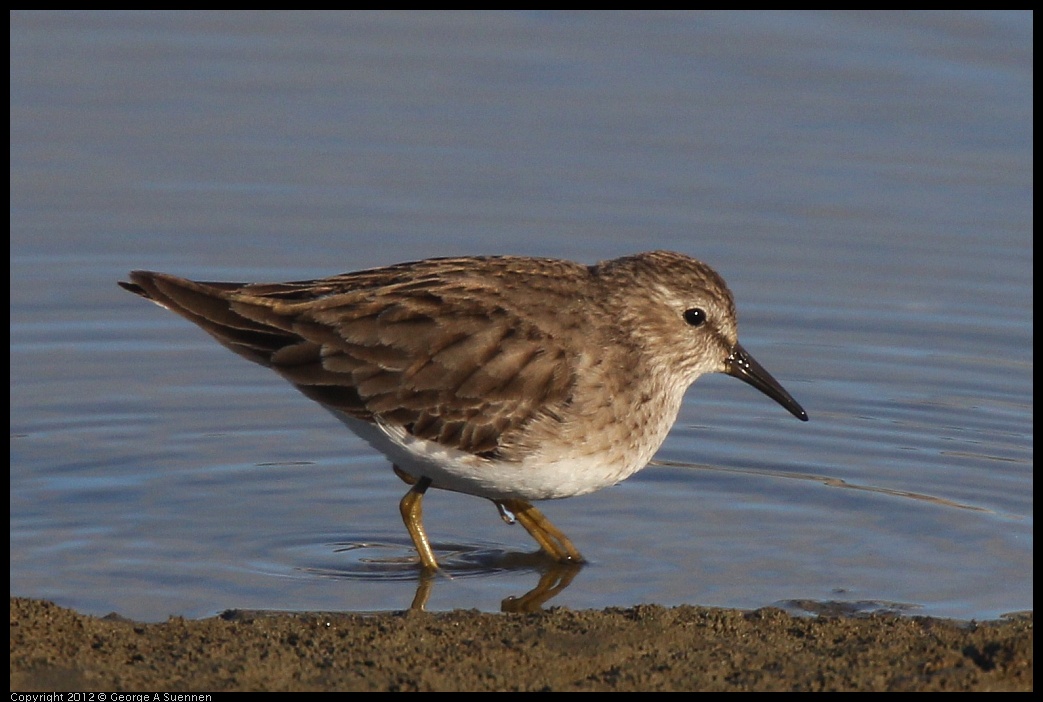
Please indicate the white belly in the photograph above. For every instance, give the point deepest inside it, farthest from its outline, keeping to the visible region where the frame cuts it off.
(536, 478)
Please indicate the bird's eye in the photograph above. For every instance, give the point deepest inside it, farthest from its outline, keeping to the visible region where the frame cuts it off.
(694, 316)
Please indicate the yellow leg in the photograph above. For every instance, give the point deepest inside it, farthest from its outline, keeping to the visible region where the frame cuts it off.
(406, 477)
(412, 516)
(551, 539)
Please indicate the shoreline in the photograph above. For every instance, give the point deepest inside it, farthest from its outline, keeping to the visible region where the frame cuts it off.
(646, 647)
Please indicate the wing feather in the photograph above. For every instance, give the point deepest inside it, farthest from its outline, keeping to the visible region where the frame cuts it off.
(439, 353)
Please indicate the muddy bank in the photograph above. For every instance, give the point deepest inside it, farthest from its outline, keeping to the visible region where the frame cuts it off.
(641, 648)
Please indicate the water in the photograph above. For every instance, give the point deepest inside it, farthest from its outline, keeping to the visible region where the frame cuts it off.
(863, 182)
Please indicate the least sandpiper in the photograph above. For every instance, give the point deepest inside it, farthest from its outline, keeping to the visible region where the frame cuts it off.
(505, 377)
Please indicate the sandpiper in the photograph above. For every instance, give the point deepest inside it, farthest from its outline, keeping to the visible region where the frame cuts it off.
(506, 377)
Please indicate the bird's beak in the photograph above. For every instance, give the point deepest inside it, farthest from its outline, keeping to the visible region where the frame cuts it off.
(741, 365)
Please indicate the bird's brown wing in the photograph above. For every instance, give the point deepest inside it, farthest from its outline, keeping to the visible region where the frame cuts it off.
(446, 358)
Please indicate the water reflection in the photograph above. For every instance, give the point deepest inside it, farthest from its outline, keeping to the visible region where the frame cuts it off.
(397, 562)
(554, 578)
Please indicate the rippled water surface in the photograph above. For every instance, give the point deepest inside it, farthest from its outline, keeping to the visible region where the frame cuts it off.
(863, 182)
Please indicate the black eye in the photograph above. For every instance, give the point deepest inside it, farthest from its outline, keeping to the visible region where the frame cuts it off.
(694, 316)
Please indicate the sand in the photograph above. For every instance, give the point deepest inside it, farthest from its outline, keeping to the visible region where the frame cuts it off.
(647, 647)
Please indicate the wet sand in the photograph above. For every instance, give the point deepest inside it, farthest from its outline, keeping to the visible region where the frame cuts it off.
(641, 648)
